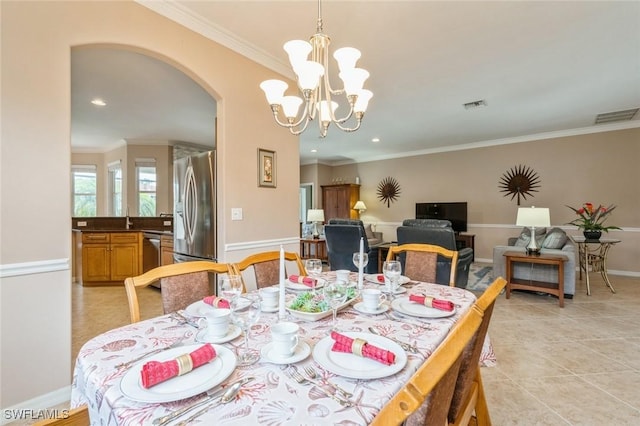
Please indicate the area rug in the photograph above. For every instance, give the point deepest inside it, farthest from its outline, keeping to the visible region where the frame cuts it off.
(480, 277)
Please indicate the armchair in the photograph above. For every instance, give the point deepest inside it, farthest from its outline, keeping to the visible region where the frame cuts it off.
(343, 239)
(439, 233)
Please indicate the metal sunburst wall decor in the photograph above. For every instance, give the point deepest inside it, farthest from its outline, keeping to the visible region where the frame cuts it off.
(520, 181)
(388, 190)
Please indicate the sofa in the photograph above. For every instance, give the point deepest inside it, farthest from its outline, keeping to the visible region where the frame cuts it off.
(440, 233)
(343, 239)
(551, 241)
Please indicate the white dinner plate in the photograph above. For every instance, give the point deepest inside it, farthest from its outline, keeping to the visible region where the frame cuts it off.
(203, 337)
(302, 351)
(399, 290)
(404, 306)
(373, 278)
(297, 286)
(355, 367)
(198, 380)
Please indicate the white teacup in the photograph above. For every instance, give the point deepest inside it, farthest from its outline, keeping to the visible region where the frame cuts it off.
(270, 297)
(343, 275)
(217, 322)
(284, 336)
(372, 298)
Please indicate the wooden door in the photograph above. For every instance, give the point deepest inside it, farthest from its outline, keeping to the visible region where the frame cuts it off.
(96, 262)
(125, 261)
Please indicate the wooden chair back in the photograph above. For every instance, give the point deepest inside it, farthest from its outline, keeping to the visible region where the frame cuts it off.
(266, 266)
(182, 284)
(421, 261)
(469, 392)
(426, 397)
(75, 417)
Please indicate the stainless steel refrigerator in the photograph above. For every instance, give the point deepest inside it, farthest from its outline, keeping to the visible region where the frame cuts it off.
(194, 215)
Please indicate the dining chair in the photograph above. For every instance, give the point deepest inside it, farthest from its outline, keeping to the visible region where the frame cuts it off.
(421, 261)
(425, 399)
(181, 284)
(468, 396)
(266, 267)
(75, 417)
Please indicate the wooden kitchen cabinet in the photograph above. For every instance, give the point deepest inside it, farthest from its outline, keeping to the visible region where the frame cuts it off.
(166, 250)
(338, 201)
(110, 257)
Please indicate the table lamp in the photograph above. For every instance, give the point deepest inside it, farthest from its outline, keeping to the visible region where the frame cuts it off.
(360, 206)
(532, 217)
(315, 216)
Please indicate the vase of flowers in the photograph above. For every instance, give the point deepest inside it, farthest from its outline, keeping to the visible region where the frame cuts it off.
(591, 220)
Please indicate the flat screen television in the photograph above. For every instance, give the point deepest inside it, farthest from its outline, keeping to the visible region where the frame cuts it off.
(456, 213)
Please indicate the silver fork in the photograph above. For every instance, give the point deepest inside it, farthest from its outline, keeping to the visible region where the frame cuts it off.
(295, 375)
(313, 375)
(153, 352)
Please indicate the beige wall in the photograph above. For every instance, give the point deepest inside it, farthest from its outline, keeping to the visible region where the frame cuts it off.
(598, 167)
(37, 38)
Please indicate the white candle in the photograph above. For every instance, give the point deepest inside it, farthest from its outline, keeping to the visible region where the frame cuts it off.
(282, 312)
(360, 266)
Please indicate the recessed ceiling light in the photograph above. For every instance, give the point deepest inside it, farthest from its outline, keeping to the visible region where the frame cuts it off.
(375, 140)
(314, 150)
(98, 102)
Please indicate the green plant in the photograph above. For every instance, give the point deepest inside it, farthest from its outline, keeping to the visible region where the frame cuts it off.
(592, 219)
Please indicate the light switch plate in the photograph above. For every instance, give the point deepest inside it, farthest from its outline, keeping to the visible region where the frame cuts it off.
(167, 223)
(82, 223)
(236, 213)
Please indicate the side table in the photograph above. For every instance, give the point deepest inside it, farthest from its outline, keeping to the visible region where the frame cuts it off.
(594, 253)
(556, 289)
(313, 248)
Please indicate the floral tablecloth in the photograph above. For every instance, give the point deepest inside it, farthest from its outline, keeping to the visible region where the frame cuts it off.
(272, 398)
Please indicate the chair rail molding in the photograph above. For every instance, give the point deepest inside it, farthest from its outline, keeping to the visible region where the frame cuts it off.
(35, 267)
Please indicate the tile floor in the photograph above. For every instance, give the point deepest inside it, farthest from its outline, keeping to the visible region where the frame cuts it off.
(577, 365)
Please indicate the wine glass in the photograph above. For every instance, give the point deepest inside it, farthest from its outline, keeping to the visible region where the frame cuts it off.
(335, 293)
(230, 286)
(392, 270)
(314, 269)
(245, 311)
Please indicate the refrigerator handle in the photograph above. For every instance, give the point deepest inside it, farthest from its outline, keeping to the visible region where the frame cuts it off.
(190, 203)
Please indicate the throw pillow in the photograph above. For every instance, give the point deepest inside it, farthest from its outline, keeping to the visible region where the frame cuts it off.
(525, 236)
(369, 232)
(555, 239)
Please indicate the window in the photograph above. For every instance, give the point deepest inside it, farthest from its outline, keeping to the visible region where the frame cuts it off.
(83, 187)
(115, 189)
(146, 177)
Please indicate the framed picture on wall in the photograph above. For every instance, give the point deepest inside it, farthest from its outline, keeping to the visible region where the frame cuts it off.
(266, 168)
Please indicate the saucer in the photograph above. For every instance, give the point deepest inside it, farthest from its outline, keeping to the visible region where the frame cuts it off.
(302, 351)
(234, 331)
(271, 309)
(360, 307)
(399, 290)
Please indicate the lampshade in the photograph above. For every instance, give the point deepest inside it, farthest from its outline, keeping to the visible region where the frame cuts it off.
(315, 215)
(360, 206)
(533, 217)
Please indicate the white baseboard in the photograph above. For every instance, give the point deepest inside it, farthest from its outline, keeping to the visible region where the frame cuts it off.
(42, 402)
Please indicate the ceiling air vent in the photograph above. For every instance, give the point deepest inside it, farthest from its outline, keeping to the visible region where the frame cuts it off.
(610, 117)
(475, 104)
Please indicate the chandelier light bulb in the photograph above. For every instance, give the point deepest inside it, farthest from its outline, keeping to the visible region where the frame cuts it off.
(309, 73)
(325, 114)
(298, 51)
(353, 80)
(346, 57)
(290, 106)
(364, 96)
(274, 90)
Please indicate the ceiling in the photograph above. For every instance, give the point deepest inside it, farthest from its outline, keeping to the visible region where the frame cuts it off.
(544, 69)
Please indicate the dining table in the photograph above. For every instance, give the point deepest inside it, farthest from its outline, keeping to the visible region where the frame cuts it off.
(344, 388)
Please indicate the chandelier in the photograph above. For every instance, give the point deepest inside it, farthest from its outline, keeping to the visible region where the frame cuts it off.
(313, 82)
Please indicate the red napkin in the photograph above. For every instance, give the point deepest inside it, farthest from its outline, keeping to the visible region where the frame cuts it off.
(216, 302)
(308, 281)
(431, 302)
(345, 344)
(154, 372)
